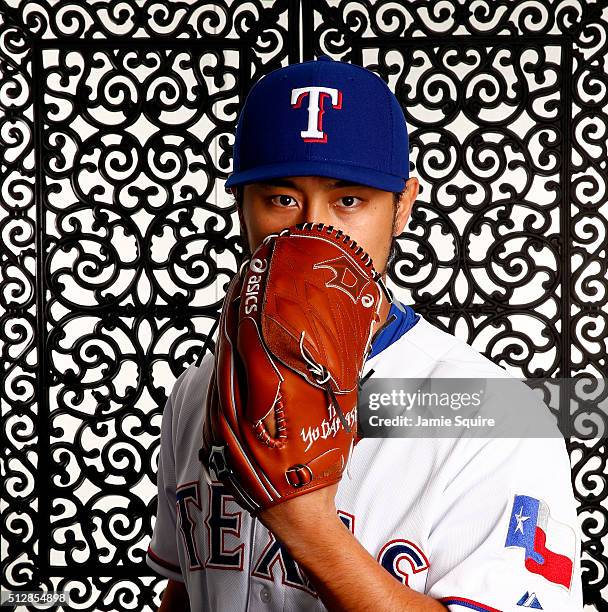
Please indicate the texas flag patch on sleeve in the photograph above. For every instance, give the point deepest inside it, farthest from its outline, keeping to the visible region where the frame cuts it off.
(549, 545)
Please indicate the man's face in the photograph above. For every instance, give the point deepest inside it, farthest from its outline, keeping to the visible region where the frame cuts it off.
(366, 214)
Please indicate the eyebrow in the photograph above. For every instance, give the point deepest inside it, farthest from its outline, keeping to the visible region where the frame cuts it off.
(278, 182)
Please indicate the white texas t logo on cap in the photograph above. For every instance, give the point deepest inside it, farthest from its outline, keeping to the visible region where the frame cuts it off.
(314, 132)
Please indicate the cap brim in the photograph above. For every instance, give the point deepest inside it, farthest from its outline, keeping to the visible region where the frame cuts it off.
(361, 176)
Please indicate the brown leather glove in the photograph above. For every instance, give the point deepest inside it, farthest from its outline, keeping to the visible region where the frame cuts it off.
(294, 332)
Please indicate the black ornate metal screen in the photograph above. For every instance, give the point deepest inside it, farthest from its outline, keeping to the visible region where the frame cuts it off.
(116, 125)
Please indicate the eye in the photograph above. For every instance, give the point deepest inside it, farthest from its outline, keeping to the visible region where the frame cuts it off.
(282, 200)
(349, 201)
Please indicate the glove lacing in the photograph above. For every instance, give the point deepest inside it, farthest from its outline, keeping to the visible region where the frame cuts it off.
(323, 378)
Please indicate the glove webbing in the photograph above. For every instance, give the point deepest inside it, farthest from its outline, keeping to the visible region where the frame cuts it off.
(334, 401)
(322, 376)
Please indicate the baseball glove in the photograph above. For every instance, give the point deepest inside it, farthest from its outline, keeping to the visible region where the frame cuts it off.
(294, 332)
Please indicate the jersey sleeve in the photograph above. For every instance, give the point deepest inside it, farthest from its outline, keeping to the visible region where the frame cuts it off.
(162, 555)
(505, 535)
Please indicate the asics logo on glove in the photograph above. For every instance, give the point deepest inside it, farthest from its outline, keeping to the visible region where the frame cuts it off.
(253, 285)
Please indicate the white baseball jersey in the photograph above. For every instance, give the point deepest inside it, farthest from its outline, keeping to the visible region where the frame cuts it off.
(479, 524)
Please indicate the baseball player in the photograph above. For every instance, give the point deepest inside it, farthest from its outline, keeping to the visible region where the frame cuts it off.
(393, 524)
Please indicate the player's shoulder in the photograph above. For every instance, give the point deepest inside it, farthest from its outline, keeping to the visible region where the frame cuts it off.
(192, 382)
(188, 393)
(434, 352)
(427, 350)
(184, 413)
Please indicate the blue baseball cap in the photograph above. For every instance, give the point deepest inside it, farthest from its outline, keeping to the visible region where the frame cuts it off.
(322, 118)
